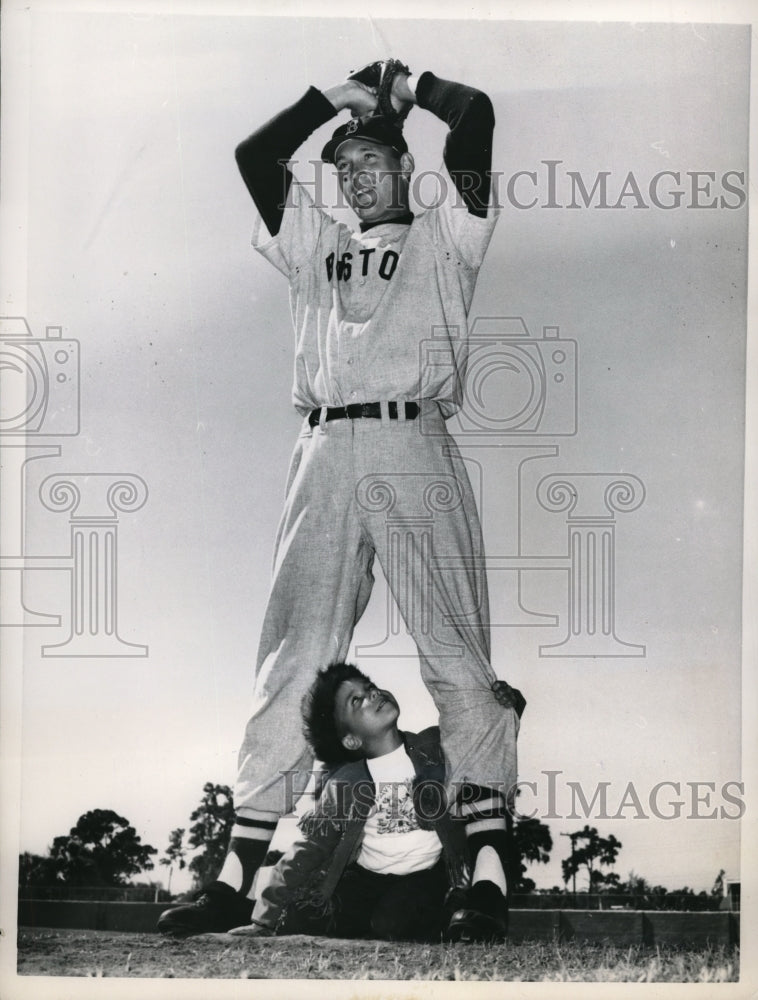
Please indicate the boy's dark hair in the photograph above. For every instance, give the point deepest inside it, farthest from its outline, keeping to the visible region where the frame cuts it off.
(320, 726)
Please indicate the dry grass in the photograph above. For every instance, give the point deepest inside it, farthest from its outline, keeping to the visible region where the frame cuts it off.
(111, 954)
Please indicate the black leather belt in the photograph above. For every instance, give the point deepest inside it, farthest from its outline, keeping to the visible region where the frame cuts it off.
(355, 411)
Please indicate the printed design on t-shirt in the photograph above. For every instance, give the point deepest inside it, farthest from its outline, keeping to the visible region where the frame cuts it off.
(394, 807)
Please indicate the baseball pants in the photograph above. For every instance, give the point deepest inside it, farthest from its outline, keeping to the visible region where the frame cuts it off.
(397, 490)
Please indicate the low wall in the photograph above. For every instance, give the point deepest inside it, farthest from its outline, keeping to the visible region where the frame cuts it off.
(622, 928)
(97, 915)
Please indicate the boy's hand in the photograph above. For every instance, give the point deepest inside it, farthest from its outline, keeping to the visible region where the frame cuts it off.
(509, 697)
(252, 930)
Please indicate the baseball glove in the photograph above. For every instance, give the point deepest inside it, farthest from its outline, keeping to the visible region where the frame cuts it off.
(380, 76)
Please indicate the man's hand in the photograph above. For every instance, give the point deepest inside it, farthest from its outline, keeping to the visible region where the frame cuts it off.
(401, 94)
(352, 94)
(509, 697)
(388, 80)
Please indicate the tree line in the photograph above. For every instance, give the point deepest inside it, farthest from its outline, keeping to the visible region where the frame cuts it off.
(104, 850)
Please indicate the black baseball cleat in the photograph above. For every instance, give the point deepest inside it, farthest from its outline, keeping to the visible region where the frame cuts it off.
(482, 915)
(215, 910)
(470, 926)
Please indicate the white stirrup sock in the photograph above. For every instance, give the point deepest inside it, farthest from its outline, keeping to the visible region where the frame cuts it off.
(488, 868)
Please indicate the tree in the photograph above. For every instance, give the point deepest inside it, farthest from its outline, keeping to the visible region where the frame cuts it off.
(595, 851)
(175, 853)
(212, 825)
(102, 849)
(718, 886)
(532, 842)
(608, 881)
(35, 870)
(642, 894)
(635, 885)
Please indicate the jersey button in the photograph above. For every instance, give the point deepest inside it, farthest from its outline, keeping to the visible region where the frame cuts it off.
(349, 361)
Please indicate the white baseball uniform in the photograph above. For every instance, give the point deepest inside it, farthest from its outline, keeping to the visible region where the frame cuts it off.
(378, 316)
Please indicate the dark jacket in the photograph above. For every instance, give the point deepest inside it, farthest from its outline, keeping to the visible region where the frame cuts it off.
(332, 833)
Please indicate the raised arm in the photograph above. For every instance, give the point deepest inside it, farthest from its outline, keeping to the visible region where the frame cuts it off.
(470, 117)
(262, 157)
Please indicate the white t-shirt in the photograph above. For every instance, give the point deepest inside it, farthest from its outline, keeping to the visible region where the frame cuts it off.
(393, 843)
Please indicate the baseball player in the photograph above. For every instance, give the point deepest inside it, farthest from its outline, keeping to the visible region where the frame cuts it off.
(380, 318)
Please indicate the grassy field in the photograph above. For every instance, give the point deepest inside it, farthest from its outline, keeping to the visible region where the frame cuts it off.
(100, 953)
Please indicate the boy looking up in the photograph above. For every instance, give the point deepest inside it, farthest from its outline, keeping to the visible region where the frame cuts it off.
(380, 851)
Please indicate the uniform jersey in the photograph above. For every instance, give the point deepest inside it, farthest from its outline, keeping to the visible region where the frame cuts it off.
(382, 314)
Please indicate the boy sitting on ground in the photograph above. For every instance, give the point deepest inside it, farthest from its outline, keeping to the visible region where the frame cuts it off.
(380, 851)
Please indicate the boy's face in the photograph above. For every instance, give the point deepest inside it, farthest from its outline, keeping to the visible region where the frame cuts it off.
(364, 712)
(374, 179)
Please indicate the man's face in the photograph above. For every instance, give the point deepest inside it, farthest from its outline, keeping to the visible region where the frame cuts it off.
(373, 178)
(362, 710)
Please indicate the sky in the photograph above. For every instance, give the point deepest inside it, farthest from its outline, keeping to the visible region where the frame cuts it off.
(134, 238)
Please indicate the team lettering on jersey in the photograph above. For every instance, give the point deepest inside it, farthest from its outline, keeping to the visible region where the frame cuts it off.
(343, 266)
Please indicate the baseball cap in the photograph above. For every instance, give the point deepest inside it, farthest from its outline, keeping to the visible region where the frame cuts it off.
(376, 128)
